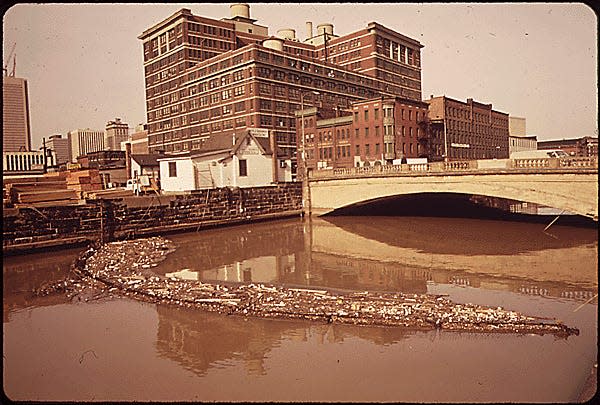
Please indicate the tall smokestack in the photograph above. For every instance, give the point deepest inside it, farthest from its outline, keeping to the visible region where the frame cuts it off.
(309, 30)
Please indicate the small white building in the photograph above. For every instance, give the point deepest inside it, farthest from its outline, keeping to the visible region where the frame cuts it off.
(248, 161)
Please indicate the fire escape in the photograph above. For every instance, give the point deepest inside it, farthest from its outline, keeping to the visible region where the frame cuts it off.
(431, 139)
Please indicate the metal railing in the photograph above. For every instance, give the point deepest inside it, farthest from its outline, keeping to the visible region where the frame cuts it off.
(473, 166)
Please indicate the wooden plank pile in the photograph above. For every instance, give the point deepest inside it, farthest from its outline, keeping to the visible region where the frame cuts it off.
(38, 189)
(84, 180)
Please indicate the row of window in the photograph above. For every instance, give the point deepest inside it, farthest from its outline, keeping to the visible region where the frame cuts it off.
(164, 62)
(397, 52)
(210, 43)
(398, 69)
(388, 113)
(341, 47)
(210, 30)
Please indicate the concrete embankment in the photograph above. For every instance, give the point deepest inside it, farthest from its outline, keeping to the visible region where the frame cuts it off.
(27, 228)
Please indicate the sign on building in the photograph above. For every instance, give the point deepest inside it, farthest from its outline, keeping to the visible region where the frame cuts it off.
(259, 132)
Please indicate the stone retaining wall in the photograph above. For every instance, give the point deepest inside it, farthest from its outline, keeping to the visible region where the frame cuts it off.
(30, 228)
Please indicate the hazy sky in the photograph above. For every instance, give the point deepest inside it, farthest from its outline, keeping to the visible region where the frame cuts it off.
(84, 66)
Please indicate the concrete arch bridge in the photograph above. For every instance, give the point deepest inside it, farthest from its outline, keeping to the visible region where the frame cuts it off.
(568, 184)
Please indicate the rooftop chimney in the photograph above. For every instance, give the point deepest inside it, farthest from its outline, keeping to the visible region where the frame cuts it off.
(309, 30)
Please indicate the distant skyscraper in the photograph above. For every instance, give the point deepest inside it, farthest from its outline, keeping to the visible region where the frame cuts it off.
(83, 141)
(61, 147)
(116, 132)
(16, 131)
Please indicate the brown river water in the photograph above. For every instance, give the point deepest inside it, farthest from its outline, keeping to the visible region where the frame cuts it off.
(118, 349)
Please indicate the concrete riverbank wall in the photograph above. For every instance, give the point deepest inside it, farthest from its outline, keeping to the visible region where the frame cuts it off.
(31, 228)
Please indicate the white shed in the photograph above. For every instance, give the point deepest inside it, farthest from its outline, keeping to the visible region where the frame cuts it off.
(248, 162)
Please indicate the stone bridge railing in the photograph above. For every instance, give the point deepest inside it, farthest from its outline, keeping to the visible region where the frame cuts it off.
(466, 166)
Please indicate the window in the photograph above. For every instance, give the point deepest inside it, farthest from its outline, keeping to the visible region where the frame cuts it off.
(240, 106)
(243, 168)
(238, 91)
(356, 116)
(366, 115)
(366, 132)
(172, 169)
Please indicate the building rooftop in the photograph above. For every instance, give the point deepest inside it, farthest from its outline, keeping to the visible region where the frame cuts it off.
(146, 159)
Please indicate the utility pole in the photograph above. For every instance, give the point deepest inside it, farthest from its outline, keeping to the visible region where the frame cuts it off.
(305, 184)
(45, 155)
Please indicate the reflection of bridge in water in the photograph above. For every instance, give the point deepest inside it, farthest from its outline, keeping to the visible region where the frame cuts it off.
(566, 184)
(400, 254)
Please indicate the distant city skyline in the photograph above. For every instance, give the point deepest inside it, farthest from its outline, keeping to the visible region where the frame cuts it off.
(84, 63)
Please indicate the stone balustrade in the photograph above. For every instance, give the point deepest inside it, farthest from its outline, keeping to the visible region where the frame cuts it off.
(471, 166)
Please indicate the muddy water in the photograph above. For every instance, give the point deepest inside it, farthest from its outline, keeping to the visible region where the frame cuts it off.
(120, 349)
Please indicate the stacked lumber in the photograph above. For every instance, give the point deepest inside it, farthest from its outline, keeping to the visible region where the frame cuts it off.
(84, 180)
(36, 189)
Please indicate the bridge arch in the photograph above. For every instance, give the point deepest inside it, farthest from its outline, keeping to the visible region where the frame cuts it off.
(571, 192)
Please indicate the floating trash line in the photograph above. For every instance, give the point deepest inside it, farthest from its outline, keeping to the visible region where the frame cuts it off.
(124, 268)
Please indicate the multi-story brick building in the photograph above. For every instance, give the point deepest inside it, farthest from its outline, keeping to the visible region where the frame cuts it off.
(371, 132)
(207, 78)
(472, 130)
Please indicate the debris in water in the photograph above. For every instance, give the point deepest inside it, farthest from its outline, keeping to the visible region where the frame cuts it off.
(118, 267)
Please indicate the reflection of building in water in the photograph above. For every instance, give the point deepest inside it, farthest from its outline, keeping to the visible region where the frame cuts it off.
(184, 274)
(223, 247)
(200, 341)
(260, 269)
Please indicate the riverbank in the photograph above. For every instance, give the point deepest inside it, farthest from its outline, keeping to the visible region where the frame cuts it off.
(28, 228)
(124, 268)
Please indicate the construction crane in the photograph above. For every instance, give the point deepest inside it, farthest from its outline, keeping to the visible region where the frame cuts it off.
(14, 60)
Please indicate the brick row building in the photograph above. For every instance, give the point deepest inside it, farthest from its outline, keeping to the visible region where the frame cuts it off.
(371, 132)
(472, 130)
(385, 129)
